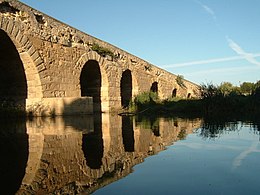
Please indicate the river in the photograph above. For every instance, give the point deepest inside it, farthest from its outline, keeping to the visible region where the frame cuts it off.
(110, 154)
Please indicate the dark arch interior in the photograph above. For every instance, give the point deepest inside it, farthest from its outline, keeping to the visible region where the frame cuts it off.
(126, 88)
(13, 85)
(174, 93)
(90, 82)
(154, 87)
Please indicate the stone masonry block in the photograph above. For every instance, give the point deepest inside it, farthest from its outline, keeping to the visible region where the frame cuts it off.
(15, 31)
(39, 64)
(31, 50)
(4, 23)
(1, 19)
(24, 41)
(19, 36)
(35, 55)
(10, 27)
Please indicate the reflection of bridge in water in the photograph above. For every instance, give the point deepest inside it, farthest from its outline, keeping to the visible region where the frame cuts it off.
(78, 154)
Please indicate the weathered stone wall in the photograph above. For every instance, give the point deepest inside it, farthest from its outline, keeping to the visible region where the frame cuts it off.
(53, 55)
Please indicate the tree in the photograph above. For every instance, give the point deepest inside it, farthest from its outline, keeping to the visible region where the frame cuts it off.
(247, 88)
(226, 88)
(208, 91)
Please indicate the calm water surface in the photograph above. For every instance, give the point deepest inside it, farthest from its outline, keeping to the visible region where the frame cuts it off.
(109, 154)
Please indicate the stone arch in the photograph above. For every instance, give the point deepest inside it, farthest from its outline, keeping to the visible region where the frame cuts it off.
(126, 88)
(90, 83)
(174, 92)
(154, 87)
(104, 88)
(31, 60)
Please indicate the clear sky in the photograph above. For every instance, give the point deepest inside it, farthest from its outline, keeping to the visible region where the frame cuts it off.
(203, 40)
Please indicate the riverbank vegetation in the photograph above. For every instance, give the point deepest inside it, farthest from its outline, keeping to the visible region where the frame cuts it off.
(224, 99)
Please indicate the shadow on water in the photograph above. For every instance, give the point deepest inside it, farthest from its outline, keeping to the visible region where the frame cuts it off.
(14, 155)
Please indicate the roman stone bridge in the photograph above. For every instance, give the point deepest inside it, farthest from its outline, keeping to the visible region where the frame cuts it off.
(48, 67)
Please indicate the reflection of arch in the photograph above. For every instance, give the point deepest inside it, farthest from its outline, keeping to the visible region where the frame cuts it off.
(126, 88)
(128, 134)
(94, 58)
(31, 60)
(154, 87)
(92, 144)
(90, 82)
(174, 93)
(14, 155)
(36, 144)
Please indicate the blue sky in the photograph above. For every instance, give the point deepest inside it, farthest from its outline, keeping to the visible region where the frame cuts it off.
(203, 40)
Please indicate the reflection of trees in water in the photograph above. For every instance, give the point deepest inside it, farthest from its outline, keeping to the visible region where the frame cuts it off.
(256, 124)
(215, 127)
(214, 130)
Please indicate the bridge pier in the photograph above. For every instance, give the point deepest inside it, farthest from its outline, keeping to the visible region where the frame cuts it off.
(59, 106)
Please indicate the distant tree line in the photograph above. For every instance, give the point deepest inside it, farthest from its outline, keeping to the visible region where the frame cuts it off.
(221, 100)
(246, 88)
(227, 98)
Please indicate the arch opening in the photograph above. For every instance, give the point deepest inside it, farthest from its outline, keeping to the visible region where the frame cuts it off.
(154, 87)
(126, 88)
(174, 93)
(90, 83)
(189, 95)
(13, 83)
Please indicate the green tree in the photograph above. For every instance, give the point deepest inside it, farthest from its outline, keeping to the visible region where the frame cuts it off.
(226, 88)
(209, 91)
(257, 84)
(247, 88)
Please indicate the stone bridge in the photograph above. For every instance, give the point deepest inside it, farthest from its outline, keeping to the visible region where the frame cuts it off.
(48, 67)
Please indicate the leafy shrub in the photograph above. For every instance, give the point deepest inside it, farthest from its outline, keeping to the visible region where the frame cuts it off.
(180, 82)
(101, 50)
